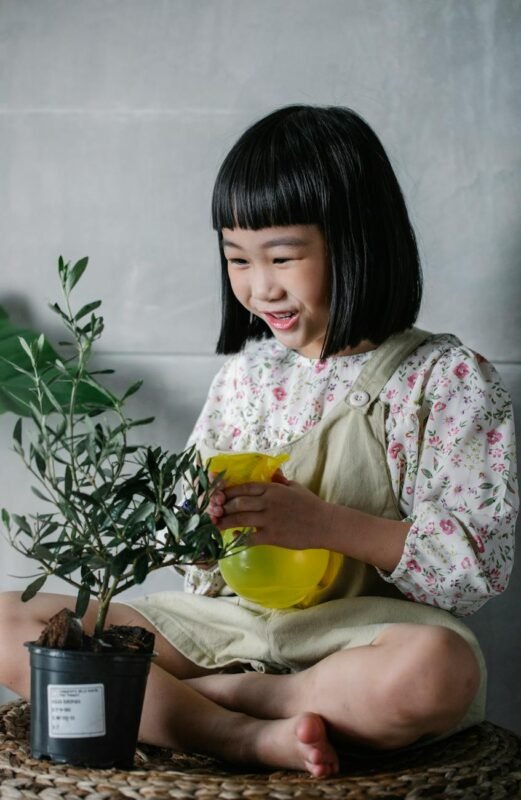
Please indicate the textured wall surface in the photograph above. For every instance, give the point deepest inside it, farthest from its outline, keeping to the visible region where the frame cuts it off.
(114, 115)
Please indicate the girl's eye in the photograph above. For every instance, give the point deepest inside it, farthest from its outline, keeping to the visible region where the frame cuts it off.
(281, 260)
(239, 262)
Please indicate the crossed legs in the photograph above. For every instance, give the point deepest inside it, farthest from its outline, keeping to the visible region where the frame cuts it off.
(411, 681)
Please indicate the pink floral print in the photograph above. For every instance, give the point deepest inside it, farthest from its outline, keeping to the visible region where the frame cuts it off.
(450, 453)
(461, 370)
(279, 393)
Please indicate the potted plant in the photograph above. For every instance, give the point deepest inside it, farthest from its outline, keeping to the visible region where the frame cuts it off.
(113, 514)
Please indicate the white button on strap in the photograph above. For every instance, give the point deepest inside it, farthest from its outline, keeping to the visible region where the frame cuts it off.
(358, 399)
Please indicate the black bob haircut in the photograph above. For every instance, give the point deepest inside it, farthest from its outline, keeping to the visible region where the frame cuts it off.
(324, 166)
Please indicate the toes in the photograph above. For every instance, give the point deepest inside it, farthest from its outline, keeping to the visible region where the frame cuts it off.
(321, 759)
(311, 729)
(322, 770)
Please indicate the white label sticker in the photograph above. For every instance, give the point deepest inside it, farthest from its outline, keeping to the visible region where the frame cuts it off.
(76, 710)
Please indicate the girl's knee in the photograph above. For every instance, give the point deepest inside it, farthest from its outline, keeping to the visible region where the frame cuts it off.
(19, 617)
(434, 680)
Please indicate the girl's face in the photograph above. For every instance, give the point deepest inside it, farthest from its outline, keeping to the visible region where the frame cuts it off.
(281, 275)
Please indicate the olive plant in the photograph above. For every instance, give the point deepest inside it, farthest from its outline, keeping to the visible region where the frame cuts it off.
(116, 510)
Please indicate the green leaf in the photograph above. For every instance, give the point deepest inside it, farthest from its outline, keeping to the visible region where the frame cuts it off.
(57, 310)
(170, 521)
(117, 509)
(22, 524)
(194, 522)
(144, 421)
(6, 518)
(427, 473)
(40, 494)
(42, 553)
(141, 568)
(48, 530)
(40, 463)
(152, 465)
(27, 349)
(120, 563)
(140, 514)
(87, 309)
(52, 399)
(82, 602)
(203, 479)
(17, 432)
(33, 588)
(68, 481)
(68, 566)
(132, 390)
(97, 562)
(76, 272)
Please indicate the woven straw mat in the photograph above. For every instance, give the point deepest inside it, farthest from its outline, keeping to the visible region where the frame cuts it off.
(483, 762)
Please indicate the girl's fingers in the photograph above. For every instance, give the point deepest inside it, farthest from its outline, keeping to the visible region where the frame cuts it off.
(246, 490)
(244, 519)
(215, 511)
(218, 497)
(252, 504)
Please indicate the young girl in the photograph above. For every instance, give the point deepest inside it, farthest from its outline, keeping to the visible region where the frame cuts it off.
(402, 460)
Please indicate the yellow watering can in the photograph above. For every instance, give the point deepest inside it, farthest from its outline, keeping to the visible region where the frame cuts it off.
(274, 577)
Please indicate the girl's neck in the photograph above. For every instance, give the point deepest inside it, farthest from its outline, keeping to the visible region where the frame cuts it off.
(363, 347)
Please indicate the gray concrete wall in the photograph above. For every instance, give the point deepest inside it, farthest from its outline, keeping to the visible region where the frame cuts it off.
(114, 115)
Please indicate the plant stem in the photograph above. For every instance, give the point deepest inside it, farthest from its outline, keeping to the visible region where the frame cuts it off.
(103, 607)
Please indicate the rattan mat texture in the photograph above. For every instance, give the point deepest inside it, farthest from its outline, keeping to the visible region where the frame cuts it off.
(483, 762)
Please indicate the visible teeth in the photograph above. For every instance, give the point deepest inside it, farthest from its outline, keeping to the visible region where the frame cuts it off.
(284, 316)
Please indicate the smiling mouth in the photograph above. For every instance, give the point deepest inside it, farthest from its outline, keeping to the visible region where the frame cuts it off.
(281, 321)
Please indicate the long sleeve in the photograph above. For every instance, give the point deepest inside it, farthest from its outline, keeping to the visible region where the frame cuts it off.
(451, 451)
(450, 454)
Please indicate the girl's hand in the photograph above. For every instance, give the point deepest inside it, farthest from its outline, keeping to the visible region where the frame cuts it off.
(218, 498)
(283, 512)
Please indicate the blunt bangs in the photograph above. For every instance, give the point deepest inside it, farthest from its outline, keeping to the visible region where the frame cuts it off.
(269, 179)
(324, 166)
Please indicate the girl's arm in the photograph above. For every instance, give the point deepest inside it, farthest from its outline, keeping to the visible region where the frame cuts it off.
(459, 485)
(289, 515)
(455, 476)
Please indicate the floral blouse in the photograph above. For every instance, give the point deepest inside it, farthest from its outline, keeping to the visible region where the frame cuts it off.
(455, 482)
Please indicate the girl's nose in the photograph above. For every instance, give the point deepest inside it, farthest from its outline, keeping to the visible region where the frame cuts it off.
(265, 286)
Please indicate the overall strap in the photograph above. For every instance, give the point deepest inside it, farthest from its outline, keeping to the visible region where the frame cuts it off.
(381, 366)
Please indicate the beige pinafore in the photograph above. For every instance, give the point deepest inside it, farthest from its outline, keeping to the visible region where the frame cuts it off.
(343, 460)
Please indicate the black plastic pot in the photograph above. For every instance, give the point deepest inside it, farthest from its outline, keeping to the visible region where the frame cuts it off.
(86, 707)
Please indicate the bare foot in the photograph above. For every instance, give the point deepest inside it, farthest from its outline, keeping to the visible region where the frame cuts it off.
(297, 743)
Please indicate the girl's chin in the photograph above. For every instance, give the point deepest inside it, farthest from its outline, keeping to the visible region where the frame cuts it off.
(308, 350)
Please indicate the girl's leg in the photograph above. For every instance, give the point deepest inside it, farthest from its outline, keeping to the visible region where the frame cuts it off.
(174, 714)
(411, 681)
(177, 716)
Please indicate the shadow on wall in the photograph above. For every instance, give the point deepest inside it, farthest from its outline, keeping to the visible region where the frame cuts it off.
(19, 310)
